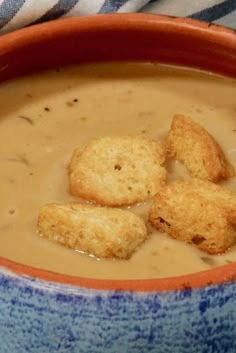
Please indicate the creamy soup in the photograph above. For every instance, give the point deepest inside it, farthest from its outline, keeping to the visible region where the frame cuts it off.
(43, 118)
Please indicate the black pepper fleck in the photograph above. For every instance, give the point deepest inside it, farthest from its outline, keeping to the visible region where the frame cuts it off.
(26, 118)
(208, 260)
(21, 158)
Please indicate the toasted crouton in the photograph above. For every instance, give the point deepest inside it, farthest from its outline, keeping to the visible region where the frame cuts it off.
(198, 212)
(117, 171)
(223, 198)
(192, 145)
(101, 231)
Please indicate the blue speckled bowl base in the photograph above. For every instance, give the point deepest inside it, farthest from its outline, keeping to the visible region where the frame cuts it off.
(43, 317)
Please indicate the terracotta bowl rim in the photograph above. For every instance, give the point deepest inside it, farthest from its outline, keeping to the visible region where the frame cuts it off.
(220, 34)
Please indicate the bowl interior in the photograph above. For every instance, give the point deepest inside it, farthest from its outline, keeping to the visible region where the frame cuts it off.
(135, 37)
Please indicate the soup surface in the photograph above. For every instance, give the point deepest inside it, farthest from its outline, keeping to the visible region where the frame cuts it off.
(43, 118)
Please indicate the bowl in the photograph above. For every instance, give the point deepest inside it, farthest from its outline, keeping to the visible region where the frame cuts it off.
(45, 312)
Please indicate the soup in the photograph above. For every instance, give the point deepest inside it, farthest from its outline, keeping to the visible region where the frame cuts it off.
(44, 117)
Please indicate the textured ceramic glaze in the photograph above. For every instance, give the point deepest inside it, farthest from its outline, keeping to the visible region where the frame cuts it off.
(43, 317)
(42, 312)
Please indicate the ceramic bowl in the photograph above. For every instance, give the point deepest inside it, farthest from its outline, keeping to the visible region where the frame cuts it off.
(45, 312)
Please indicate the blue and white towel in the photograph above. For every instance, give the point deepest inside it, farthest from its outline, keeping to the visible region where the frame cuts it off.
(15, 14)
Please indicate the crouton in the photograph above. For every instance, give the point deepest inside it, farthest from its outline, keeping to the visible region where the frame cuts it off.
(103, 232)
(223, 198)
(191, 144)
(198, 212)
(117, 171)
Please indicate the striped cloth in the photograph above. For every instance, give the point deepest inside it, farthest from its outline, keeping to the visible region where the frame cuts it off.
(15, 14)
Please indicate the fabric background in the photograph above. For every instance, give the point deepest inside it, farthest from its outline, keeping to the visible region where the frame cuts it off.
(15, 14)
